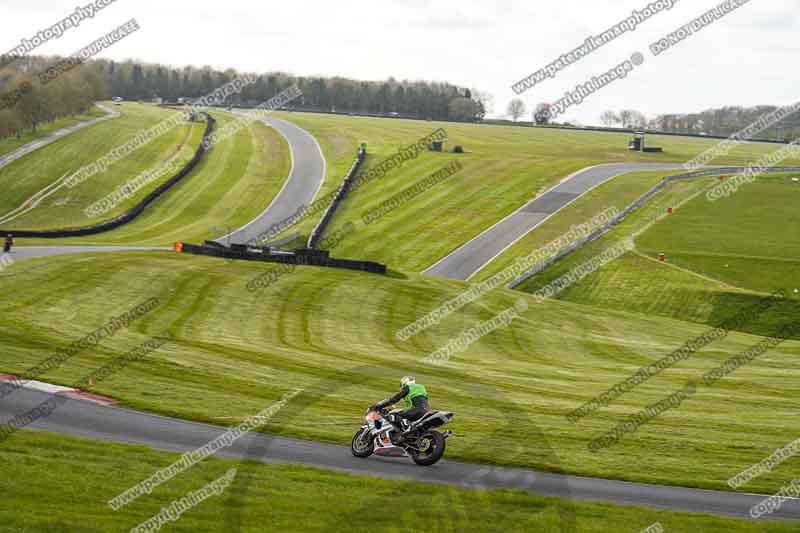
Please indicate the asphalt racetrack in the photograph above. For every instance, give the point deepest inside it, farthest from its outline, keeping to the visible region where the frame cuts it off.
(89, 420)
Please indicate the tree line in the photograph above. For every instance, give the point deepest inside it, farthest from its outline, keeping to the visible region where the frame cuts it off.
(722, 122)
(29, 103)
(26, 102)
(413, 99)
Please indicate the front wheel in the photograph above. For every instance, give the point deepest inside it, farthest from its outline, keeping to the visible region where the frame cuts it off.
(430, 448)
(363, 443)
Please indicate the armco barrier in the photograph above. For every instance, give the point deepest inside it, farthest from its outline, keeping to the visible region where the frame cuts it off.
(306, 257)
(316, 235)
(628, 210)
(133, 212)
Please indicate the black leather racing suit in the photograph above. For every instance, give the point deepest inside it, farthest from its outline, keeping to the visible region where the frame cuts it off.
(420, 407)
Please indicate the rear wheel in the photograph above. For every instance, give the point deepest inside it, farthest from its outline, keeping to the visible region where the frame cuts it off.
(363, 443)
(430, 448)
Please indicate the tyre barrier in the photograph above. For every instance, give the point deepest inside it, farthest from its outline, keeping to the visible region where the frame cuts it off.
(133, 212)
(301, 256)
(316, 235)
(631, 208)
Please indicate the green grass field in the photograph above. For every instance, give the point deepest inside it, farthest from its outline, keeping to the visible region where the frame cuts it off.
(750, 240)
(12, 143)
(618, 193)
(65, 207)
(721, 256)
(234, 183)
(73, 474)
(504, 168)
(331, 333)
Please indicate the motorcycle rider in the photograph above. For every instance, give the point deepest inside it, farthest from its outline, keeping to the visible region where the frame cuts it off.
(416, 403)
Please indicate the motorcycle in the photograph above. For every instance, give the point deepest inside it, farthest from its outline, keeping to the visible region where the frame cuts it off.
(417, 440)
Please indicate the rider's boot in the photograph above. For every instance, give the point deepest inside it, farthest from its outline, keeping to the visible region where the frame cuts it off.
(397, 422)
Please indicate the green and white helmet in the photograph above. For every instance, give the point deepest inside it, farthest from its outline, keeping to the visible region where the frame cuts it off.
(407, 380)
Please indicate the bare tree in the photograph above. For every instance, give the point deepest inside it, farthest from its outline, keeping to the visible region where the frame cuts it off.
(625, 116)
(516, 109)
(631, 118)
(638, 120)
(609, 118)
(485, 100)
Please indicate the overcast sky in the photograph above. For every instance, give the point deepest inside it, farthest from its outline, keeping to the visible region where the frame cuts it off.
(748, 58)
